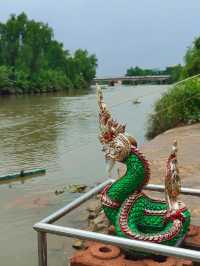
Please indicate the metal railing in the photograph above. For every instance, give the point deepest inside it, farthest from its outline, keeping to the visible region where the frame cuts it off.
(45, 227)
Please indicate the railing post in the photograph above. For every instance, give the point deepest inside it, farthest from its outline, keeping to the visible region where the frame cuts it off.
(42, 249)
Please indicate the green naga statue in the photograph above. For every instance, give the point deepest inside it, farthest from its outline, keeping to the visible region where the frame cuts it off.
(134, 214)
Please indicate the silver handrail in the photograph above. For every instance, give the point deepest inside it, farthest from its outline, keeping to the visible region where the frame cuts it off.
(46, 226)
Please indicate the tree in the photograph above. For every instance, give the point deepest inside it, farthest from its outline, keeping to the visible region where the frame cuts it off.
(6, 83)
(85, 64)
(33, 58)
(175, 72)
(192, 60)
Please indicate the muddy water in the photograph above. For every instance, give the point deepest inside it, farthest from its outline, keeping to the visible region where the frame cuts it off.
(59, 133)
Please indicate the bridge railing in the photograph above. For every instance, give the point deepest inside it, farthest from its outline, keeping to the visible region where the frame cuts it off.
(154, 77)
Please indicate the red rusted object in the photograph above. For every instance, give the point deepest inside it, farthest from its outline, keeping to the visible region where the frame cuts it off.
(98, 254)
(192, 239)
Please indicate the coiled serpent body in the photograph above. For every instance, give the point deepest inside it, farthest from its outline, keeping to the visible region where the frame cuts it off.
(138, 216)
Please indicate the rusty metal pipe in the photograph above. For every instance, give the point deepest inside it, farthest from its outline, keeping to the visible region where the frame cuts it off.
(42, 248)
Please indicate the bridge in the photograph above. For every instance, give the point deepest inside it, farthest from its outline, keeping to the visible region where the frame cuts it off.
(134, 80)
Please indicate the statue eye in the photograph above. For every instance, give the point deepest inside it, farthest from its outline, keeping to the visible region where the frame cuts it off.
(118, 148)
(104, 149)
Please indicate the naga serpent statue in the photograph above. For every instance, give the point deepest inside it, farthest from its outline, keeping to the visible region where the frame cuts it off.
(134, 214)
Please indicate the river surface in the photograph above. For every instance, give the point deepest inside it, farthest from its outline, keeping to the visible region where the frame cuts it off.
(59, 133)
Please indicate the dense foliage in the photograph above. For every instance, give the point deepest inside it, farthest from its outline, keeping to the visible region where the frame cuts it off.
(192, 60)
(31, 60)
(137, 71)
(179, 106)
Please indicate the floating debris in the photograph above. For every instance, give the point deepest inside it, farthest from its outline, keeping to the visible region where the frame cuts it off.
(23, 174)
(78, 244)
(58, 192)
(136, 101)
(75, 188)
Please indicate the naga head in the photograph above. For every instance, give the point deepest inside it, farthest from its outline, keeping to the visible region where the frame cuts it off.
(116, 143)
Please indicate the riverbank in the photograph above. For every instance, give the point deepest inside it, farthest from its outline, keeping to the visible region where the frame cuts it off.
(157, 151)
(179, 106)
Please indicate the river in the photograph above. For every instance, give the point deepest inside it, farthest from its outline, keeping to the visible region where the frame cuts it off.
(59, 133)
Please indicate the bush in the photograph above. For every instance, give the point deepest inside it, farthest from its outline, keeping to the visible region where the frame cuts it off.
(6, 84)
(79, 82)
(52, 80)
(179, 106)
(22, 81)
(32, 61)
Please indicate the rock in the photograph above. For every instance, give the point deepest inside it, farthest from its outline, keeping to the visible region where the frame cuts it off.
(92, 215)
(75, 188)
(94, 206)
(58, 192)
(78, 244)
(100, 218)
(100, 223)
(136, 101)
(98, 196)
(101, 227)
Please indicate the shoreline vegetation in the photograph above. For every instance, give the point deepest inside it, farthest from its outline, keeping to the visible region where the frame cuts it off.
(32, 61)
(181, 104)
(177, 107)
(175, 72)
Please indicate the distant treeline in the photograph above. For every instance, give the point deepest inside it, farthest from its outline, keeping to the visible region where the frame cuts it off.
(173, 71)
(32, 61)
(177, 72)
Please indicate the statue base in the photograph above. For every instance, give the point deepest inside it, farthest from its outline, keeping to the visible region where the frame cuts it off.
(99, 254)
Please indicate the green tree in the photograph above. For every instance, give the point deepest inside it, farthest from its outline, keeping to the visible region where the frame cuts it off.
(6, 83)
(36, 62)
(178, 106)
(192, 60)
(85, 64)
(175, 72)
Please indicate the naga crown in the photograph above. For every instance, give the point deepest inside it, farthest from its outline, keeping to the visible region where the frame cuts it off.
(109, 127)
(117, 144)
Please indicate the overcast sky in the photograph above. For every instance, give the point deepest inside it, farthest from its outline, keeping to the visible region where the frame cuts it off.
(122, 33)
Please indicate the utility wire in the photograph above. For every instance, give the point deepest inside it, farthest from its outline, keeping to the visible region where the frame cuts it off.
(62, 123)
(181, 81)
(153, 93)
(95, 136)
(111, 106)
(180, 102)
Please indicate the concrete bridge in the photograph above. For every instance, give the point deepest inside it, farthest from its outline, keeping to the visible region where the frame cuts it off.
(134, 80)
